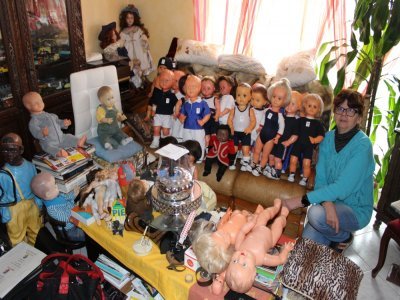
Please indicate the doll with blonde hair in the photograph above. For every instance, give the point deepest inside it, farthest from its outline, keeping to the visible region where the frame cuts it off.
(311, 133)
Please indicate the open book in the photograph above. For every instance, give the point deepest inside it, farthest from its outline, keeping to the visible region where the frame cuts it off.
(58, 164)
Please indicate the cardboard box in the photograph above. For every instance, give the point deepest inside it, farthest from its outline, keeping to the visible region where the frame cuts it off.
(191, 260)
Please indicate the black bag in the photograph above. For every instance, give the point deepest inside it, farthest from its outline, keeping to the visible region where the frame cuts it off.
(69, 276)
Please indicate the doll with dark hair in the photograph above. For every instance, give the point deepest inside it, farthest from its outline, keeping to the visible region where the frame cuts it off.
(135, 37)
(226, 87)
(195, 153)
(111, 43)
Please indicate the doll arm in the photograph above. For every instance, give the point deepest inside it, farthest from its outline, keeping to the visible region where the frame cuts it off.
(290, 140)
(218, 284)
(177, 109)
(182, 116)
(204, 120)
(244, 231)
(225, 218)
(121, 117)
(252, 124)
(230, 120)
(281, 258)
(217, 108)
(101, 116)
(316, 140)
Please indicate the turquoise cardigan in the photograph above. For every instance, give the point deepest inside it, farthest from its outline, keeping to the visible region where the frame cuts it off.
(346, 177)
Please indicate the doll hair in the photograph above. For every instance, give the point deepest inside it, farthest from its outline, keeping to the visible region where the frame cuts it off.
(315, 97)
(261, 89)
(209, 78)
(246, 85)
(182, 82)
(103, 91)
(168, 140)
(12, 139)
(212, 258)
(40, 184)
(225, 127)
(193, 147)
(231, 81)
(107, 38)
(354, 100)
(238, 282)
(283, 83)
(136, 194)
(131, 9)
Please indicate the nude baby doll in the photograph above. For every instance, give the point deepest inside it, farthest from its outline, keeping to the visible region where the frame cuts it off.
(310, 135)
(252, 245)
(107, 115)
(46, 127)
(242, 121)
(58, 205)
(279, 94)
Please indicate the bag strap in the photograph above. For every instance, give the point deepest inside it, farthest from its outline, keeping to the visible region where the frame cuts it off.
(55, 256)
(21, 195)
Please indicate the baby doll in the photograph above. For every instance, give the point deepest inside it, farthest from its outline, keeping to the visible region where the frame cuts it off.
(252, 244)
(46, 127)
(22, 219)
(177, 126)
(221, 149)
(136, 73)
(310, 135)
(111, 43)
(194, 155)
(241, 122)
(288, 138)
(207, 92)
(167, 107)
(136, 201)
(58, 205)
(194, 113)
(135, 37)
(279, 94)
(107, 115)
(227, 102)
(259, 101)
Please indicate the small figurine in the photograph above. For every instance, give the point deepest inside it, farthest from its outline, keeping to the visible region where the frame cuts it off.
(46, 127)
(107, 115)
(117, 228)
(259, 102)
(311, 134)
(58, 205)
(137, 202)
(22, 219)
(111, 43)
(242, 121)
(222, 150)
(208, 94)
(226, 87)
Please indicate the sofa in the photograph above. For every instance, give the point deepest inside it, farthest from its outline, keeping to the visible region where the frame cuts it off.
(242, 190)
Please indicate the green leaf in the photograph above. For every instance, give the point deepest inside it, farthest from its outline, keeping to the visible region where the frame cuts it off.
(340, 80)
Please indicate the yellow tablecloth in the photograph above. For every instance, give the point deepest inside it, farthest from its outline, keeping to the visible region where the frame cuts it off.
(152, 267)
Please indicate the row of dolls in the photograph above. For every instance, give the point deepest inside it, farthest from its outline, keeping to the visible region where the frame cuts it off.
(266, 122)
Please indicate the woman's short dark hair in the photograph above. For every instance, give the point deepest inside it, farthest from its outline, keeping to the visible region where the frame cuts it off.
(354, 100)
(194, 148)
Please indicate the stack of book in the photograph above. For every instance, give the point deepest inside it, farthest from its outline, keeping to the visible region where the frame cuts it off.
(113, 272)
(68, 171)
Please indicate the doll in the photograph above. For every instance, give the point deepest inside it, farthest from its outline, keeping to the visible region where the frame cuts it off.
(279, 94)
(177, 126)
(28, 222)
(288, 138)
(207, 92)
(194, 113)
(58, 205)
(46, 127)
(242, 121)
(164, 63)
(310, 135)
(136, 201)
(252, 244)
(167, 107)
(194, 155)
(259, 102)
(111, 43)
(107, 115)
(227, 102)
(220, 149)
(135, 37)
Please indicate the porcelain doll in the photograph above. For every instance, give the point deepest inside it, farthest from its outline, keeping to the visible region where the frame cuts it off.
(135, 37)
(46, 127)
(279, 94)
(111, 43)
(242, 121)
(109, 133)
(310, 135)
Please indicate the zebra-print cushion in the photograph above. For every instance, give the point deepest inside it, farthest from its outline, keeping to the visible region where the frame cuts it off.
(318, 272)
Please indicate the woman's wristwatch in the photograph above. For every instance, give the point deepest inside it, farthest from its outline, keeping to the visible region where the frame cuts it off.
(305, 201)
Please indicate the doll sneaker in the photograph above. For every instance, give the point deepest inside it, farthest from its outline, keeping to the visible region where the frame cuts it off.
(267, 171)
(291, 177)
(244, 166)
(250, 167)
(274, 174)
(257, 171)
(108, 146)
(155, 144)
(126, 141)
(232, 167)
(303, 181)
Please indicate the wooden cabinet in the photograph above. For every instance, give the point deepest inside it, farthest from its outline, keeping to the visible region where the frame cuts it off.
(391, 189)
(41, 43)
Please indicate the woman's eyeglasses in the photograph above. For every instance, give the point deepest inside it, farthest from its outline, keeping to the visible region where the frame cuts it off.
(350, 112)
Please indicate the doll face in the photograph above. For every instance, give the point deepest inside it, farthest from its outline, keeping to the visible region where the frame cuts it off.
(192, 87)
(34, 103)
(312, 107)
(107, 99)
(130, 19)
(278, 97)
(243, 266)
(113, 36)
(292, 108)
(243, 95)
(207, 88)
(52, 190)
(177, 75)
(222, 135)
(11, 154)
(161, 68)
(224, 87)
(166, 80)
(258, 101)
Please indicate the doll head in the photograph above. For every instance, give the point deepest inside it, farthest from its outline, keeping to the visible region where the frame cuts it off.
(280, 93)
(33, 102)
(192, 87)
(181, 83)
(241, 271)
(259, 97)
(243, 94)
(101, 175)
(178, 74)
(136, 198)
(312, 105)
(207, 86)
(194, 149)
(11, 149)
(294, 105)
(106, 96)
(136, 64)
(164, 63)
(108, 35)
(223, 132)
(130, 16)
(166, 80)
(225, 85)
(44, 186)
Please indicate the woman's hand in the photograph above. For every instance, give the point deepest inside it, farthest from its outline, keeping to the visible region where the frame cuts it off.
(331, 216)
(292, 203)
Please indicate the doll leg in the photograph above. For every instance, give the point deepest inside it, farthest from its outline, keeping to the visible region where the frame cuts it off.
(257, 150)
(70, 140)
(269, 213)
(166, 131)
(278, 225)
(156, 137)
(265, 154)
(221, 171)
(306, 171)
(293, 165)
(208, 165)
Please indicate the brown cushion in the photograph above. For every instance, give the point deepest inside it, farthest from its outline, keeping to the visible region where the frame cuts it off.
(225, 186)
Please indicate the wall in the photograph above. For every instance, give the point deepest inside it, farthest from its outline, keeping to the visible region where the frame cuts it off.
(164, 19)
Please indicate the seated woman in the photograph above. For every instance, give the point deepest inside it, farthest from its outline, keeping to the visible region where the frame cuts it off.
(342, 200)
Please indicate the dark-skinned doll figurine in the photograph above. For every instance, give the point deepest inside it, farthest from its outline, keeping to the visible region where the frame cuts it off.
(22, 219)
(221, 150)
